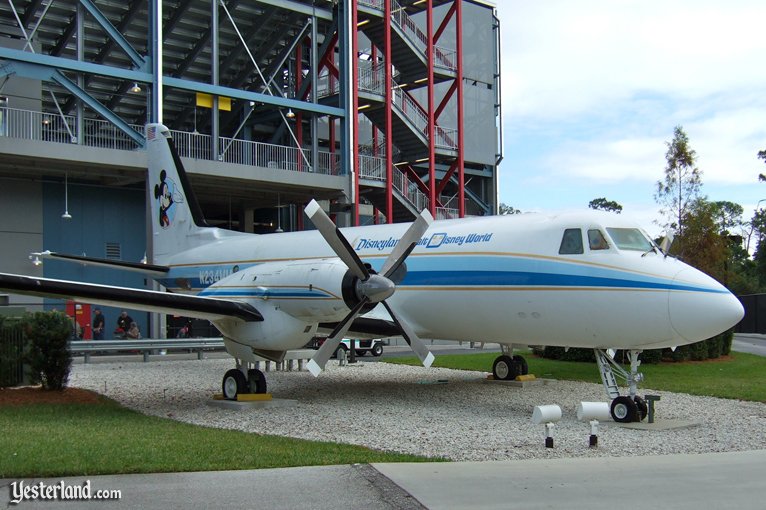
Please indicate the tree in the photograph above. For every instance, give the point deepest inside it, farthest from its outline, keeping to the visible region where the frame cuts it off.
(605, 205)
(762, 155)
(678, 191)
(728, 216)
(701, 244)
(507, 209)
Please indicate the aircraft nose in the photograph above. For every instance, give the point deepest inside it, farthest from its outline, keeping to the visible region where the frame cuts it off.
(700, 307)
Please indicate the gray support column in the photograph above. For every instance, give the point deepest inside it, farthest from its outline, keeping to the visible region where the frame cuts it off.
(79, 124)
(347, 60)
(215, 125)
(314, 59)
(248, 217)
(155, 20)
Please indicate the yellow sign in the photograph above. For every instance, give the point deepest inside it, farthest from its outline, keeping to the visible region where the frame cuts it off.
(206, 101)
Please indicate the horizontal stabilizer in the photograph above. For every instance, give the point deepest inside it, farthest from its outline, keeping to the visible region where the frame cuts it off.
(149, 300)
(139, 267)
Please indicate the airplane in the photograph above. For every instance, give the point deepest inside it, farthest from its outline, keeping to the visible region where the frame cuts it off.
(588, 279)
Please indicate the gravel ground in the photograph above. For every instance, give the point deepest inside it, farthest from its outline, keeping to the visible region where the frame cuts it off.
(408, 409)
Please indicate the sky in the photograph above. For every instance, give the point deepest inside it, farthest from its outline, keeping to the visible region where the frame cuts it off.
(592, 90)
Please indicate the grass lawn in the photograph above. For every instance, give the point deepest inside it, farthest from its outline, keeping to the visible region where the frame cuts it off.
(740, 376)
(46, 440)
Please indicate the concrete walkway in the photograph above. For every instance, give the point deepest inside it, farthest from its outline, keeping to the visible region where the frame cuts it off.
(715, 481)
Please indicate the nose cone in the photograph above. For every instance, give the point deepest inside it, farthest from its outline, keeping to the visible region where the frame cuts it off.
(700, 307)
(376, 288)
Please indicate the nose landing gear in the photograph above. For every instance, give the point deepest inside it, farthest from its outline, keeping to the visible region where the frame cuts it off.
(624, 409)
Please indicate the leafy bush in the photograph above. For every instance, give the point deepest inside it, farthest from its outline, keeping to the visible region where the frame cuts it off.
(711, 348)
(48, 354)
(11, 353)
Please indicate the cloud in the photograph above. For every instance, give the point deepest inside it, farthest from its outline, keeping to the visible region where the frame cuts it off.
(566, 58)
(592, 91)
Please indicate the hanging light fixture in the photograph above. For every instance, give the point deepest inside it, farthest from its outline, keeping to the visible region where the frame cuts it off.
(290, 113)
(135, 88)
(66, 214)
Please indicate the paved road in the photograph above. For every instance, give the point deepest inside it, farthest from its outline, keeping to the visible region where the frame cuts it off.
(694, 482)
(752, 343)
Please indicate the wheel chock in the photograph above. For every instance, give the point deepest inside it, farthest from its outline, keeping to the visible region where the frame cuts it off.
(528, 377)
(253, 397)
(246, 397)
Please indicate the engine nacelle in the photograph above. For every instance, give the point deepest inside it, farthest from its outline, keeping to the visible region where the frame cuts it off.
(314, 290)
(279, 331)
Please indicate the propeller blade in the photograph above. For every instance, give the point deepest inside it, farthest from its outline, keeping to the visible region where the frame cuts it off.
(336, 240)
(407, 243)
(317, 363)
(418, 347)
(666, 243)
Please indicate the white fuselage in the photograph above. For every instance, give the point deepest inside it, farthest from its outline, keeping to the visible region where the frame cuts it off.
(490, 279)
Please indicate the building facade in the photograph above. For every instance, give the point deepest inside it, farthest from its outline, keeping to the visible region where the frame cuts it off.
(380, 108)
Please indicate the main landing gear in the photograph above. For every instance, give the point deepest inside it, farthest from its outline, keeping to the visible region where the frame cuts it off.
(625, 408)
(235, 382)
(507, 366)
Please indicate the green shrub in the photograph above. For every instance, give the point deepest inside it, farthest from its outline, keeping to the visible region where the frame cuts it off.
(48, 354)
(726, 340)
(11, 353)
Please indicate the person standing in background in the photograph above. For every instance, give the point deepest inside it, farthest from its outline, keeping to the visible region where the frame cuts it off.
(98, 325)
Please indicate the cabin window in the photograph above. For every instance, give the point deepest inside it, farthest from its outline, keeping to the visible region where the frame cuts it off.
(629, 239)
(571, 243)
(596, 240)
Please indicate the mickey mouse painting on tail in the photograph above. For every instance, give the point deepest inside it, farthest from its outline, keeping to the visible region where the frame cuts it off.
(167, 196)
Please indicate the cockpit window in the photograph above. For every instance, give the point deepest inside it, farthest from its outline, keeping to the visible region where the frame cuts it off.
(629, 239)
(571, 243)
(596, 240)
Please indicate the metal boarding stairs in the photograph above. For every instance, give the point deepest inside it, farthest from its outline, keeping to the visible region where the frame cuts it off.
(443, 57)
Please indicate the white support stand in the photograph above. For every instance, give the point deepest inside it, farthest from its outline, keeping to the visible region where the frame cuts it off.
(549, 434)
(593, 441)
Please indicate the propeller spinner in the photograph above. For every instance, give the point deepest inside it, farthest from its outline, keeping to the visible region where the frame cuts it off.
(370, 288)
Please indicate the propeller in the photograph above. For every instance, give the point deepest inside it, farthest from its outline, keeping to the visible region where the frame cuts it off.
(666, 243)
(370, 288)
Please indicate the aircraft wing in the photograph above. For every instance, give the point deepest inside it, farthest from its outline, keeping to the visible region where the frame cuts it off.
(138, 267)
(149, 300)
(367, 327)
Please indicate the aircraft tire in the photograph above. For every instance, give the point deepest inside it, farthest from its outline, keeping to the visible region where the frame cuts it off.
(643, 409)
(523, 367)
(377, 350)
(505, 368)
(234, 383)
(257, 381)
(624, 410)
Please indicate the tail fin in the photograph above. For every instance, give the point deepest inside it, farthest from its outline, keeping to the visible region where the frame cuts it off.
(174, 213)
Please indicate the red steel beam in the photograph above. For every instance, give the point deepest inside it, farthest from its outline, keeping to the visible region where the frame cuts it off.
(431, 107)
(446, 178)
(460, 119)
(388, 114)
(446, 98)
(354, 113)
(444, 22)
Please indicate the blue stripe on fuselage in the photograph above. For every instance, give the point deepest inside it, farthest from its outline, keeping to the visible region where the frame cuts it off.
(470, 271)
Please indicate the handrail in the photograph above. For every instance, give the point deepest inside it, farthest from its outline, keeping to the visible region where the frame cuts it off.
(47, 127)
(443, 57)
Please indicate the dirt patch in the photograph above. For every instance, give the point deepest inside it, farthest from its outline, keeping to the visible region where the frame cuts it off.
(36, 395)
